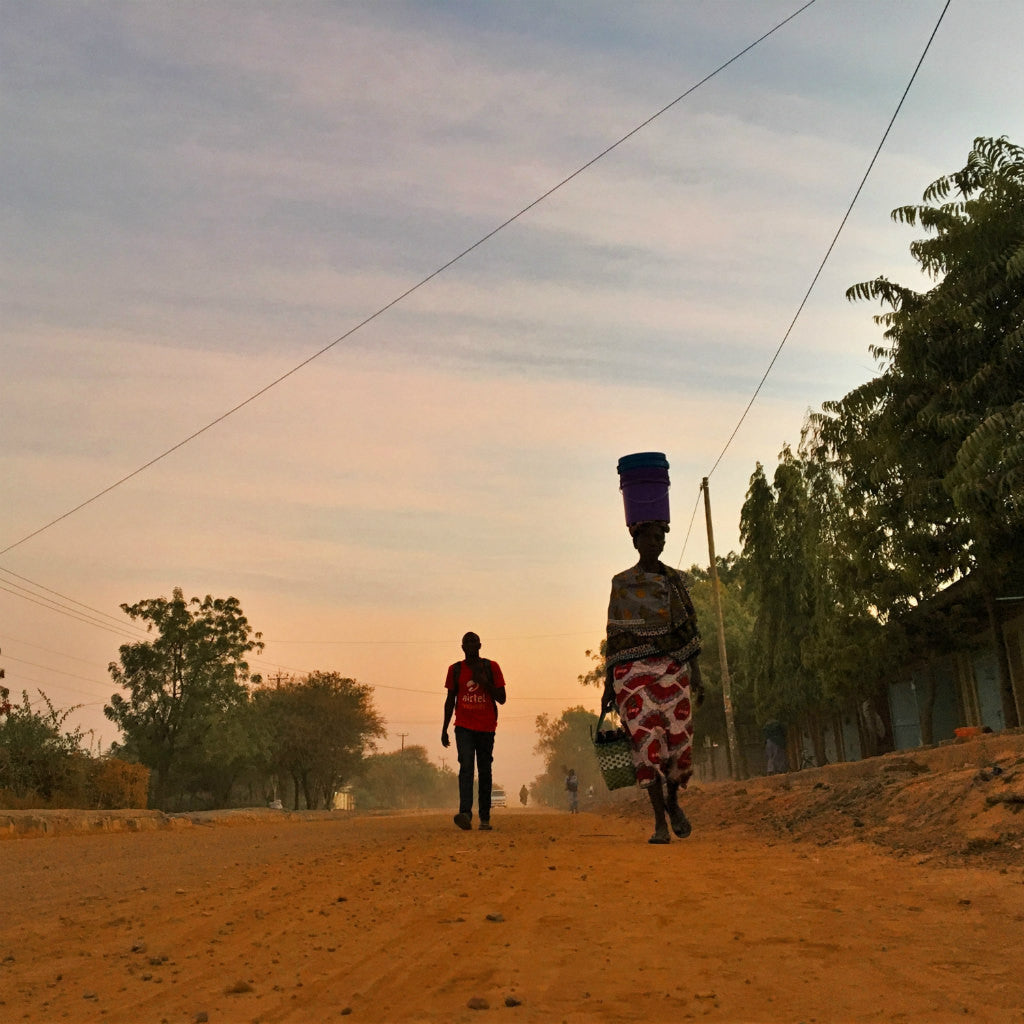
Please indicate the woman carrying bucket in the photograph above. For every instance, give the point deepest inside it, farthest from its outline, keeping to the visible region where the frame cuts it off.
(652, 648)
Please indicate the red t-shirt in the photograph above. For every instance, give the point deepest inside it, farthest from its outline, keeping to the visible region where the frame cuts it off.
(474, 709)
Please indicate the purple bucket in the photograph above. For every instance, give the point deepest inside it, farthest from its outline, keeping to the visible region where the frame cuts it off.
(643, 480)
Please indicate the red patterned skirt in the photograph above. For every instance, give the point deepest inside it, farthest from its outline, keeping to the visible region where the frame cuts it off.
(653, 698)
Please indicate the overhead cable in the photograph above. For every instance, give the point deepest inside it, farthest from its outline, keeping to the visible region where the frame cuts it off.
(832, 244)
(409, 291)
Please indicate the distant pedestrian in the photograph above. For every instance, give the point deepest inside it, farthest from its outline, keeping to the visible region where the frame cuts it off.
(776, 762)
(572, 787)
(524, 795)
(475, 689)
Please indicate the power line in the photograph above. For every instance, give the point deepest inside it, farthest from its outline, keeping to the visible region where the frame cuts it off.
(409, 291)
(424, 643)
(115, 620)
(835, 239)
(689, 529)
(52, 606)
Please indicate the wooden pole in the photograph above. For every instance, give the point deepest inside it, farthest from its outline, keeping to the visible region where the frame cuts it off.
(730, 724)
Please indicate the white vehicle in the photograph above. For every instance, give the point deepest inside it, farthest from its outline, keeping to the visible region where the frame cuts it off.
(498, 798)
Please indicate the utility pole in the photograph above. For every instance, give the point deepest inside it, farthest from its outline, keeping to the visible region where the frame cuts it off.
(730, 724)
(401, 771)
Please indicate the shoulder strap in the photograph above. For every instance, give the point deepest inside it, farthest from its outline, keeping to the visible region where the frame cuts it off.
(456, 671)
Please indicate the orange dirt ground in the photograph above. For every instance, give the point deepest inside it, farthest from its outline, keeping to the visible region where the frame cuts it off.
(830, 895)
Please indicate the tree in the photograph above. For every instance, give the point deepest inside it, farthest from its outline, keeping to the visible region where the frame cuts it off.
(738, 615)
(566, 742)
(181, 682)
(405, 779)
(932, 450)
(318, 731)
(773, 527)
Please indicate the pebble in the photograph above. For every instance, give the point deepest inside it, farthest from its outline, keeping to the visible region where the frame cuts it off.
(478, 1003)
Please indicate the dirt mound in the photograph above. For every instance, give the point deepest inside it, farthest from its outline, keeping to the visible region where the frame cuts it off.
(952, 802)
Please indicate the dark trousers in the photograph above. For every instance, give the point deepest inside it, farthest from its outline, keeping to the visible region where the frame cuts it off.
(474, 748)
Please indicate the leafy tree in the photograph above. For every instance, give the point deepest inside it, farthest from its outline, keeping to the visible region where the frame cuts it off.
(181, 682)
(234, 748)
(738, 616)
(773, 527)
(318, 732)
(931, 451)
(405, 779)
(566, 742)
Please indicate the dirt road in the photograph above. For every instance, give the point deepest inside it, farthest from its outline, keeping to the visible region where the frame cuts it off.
(549, 918)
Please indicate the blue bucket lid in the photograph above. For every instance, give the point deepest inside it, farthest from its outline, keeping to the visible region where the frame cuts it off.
(643, 460)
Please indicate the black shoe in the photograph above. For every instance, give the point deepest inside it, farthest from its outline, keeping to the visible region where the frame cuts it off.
(464, 821)
(484, 826)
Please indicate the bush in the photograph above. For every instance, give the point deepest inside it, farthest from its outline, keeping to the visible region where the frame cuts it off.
(42, 766)
(114, 783)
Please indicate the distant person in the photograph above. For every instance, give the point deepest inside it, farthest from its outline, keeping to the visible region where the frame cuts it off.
(590, 794)
(572, 787)
(475, 689)
(776, 761)
(524, 795)
(652, 670)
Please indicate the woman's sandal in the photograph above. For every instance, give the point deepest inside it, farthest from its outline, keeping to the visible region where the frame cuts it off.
(680, 823)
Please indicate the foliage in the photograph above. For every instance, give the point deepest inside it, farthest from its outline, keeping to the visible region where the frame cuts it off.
(929, 453)
(115, 783)
(44, 765)
(594, 676)
(405, 779)
(36, 754)
(738, 616)
(317, 732)
(911, 481)
(183, 686)
(778, 565)
(566, 742)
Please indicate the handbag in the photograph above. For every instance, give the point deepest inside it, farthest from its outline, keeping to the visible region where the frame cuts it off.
(614, 755)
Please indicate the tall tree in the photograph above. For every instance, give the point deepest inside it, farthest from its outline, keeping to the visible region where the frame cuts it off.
(319, 730)
(777, 547)
(193, 670)
(934, 446)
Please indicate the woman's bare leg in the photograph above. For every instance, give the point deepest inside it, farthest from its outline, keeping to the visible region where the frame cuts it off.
(680, 823)
(657, 797)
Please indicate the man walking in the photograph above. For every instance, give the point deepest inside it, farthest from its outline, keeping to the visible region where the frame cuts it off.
(475, 689)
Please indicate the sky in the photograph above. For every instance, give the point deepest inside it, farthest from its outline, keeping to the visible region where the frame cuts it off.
(198, 198)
